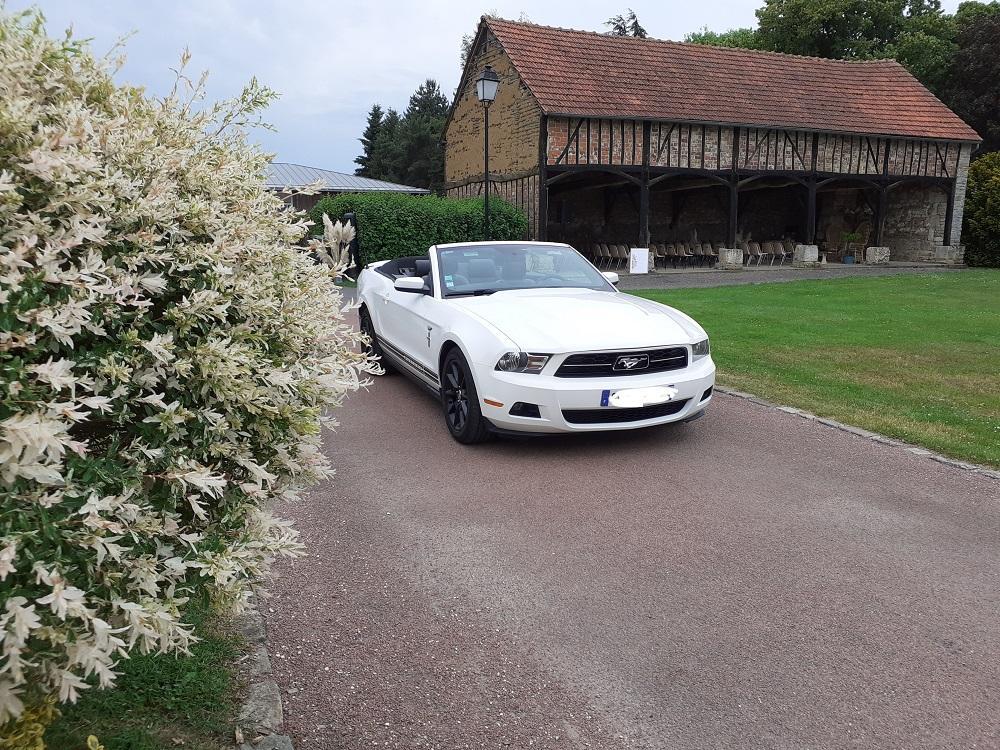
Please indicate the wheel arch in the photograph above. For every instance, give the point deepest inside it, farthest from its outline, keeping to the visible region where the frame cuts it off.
(449, 345)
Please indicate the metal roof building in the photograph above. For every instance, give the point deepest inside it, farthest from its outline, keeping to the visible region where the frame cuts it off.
(284, 177)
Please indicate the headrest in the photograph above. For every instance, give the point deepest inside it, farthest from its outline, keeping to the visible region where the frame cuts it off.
(421, 266)
(482, 269)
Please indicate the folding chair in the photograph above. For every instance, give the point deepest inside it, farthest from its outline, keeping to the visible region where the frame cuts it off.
(711, 256)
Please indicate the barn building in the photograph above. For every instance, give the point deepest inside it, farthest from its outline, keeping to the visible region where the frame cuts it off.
(617, 139)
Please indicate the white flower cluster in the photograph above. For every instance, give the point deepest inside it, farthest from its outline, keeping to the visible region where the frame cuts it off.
(167, 356)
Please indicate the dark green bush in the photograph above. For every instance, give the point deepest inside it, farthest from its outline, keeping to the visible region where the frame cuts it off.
(392, 225)
(981, 228)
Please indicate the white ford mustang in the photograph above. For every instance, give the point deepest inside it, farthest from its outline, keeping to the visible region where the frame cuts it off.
(530, 337)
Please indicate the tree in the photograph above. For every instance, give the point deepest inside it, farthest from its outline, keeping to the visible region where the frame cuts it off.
(743, 37)
(368, 139)
(408, 149)
(168, 353)
(974, 80)
(625, 25)
(981, 228)
(915, 32)
(427, 101)
(842, 29)
(386, 156)
(420, 137)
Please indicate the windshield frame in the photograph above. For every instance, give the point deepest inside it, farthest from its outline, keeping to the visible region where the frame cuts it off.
(488, 288)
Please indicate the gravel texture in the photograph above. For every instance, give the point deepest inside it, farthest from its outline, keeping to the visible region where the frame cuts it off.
(753, 579)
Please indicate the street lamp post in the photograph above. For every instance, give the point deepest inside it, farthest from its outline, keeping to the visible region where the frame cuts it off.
(486, 90)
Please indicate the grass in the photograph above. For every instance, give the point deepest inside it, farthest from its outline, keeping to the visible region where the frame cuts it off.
(914, 356)
(160, 701)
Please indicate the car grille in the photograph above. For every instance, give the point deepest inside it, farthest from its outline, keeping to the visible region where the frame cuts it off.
(610, 416)
(602, 364)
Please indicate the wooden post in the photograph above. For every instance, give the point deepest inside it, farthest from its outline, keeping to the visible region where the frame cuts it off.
(949, 213)
(644, 188)
(880, 216)
(734, 204)
(811, 213)
(543, 175)
(644, 211)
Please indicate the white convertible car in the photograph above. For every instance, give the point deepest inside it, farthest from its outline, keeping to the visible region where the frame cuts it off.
(530, 337)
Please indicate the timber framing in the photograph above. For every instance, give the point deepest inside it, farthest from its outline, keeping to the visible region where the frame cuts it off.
(646, 153)
(652, 115)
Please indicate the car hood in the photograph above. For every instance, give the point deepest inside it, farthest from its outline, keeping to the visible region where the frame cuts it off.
(573, 320)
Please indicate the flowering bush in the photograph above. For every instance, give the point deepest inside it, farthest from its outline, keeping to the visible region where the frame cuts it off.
(166, 357)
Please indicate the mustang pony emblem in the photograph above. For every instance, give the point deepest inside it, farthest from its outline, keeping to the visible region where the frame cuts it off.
(632, 362)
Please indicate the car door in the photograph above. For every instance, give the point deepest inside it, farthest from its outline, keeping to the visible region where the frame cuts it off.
(414, 324)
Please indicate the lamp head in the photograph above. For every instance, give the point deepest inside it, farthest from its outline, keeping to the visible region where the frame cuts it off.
(487, 85)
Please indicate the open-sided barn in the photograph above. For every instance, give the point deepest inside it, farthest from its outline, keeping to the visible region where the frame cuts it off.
(601, 138)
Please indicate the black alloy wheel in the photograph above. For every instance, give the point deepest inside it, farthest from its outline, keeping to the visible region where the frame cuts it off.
(460, 401)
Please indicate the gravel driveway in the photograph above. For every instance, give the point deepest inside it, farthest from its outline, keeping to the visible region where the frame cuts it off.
(751, 580)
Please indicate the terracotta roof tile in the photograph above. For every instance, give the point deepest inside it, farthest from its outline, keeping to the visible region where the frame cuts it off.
(583, 73)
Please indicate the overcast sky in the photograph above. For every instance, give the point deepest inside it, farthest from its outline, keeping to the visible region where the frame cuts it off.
(331, 60)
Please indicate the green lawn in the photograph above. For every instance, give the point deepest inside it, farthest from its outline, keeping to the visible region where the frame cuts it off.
(160, 702)
(916, 357)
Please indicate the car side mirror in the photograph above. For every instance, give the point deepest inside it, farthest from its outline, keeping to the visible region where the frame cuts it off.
(610, 276)
(411, 284)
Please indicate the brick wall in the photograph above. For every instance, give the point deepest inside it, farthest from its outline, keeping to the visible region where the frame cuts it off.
(514, 123)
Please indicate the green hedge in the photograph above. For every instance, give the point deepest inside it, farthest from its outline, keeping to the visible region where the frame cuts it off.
(981, 229)
(392, 225)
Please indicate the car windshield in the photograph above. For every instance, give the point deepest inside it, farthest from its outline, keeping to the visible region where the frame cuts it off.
(485, 269)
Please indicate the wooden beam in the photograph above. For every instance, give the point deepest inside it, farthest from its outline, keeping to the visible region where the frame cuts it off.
(949, 213)
(811, 213)
(542, 219)
(734, 204)
(644, 188)
(880, 216)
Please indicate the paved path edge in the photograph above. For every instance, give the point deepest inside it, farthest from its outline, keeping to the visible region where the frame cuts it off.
(866, 434)
(260, 716)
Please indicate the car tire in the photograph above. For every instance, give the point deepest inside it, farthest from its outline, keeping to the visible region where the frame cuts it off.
(460, 401)
(373, 346)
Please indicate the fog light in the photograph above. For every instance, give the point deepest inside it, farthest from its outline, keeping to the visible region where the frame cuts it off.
(521, 409)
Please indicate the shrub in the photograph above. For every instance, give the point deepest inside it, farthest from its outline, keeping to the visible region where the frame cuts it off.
(981, 226)
(392, 225)
(166, 357)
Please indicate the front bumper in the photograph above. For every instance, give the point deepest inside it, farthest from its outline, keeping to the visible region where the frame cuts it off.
(555, 395)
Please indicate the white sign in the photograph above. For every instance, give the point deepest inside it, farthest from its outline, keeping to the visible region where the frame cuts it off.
(634, 397)
(639, 260)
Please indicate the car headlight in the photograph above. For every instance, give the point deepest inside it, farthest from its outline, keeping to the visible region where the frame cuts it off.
(522, 362)
(699, 349)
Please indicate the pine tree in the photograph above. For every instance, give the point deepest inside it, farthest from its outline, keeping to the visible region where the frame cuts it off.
(625, 25)
(368, 139)
(387, 155)
(427, 101)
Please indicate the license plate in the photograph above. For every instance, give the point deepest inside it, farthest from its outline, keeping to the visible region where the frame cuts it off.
(631, 398)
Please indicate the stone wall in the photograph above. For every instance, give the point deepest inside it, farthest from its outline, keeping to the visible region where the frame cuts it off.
(961, 185)
(914, 222)
(514, 123)
(844, 210)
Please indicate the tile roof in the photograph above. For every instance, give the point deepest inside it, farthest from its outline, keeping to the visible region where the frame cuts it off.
(281, 175)
(583, 73)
